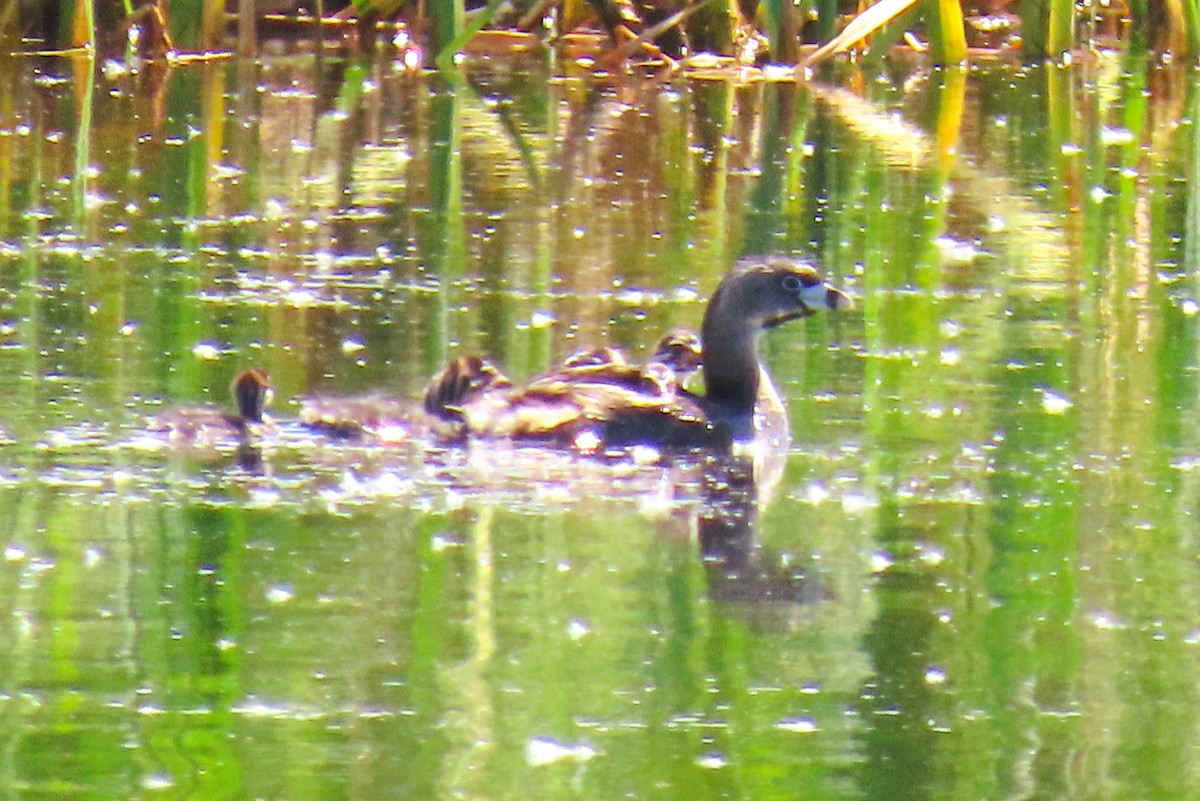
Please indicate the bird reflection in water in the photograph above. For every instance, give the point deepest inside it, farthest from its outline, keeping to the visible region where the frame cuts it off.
(739, 569)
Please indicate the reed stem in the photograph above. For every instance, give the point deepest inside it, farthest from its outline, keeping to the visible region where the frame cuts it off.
(827, 18)
(1191, 19)
(1061, 26)
(246, 38)
(947, 33)
(83, 25)
(449, 19)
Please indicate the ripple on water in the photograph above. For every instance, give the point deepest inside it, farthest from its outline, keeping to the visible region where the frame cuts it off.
(289, 466)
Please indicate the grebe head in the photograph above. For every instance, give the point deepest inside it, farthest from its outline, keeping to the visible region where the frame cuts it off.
(595, 357)
(464, 378)
(252, 391)
(757, 294)
(681, 351)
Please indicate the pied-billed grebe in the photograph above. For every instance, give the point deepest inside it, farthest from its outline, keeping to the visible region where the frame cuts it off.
(757, 294)
(598, 399)
(205, 425)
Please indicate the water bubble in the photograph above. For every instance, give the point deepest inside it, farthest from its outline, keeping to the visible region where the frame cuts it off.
(955, 251)
(635, 297)
(444, 540)
(301, 297)
(854, 503)
(545, 751)
(1105, 622)
(207, 351)
(280, 595)
(645, 454)
(797, 725)
(577, 630)
(1116, 136)
(391, 434)
(1053, 403)
(157, 781)
(587, 442)
(931, 555)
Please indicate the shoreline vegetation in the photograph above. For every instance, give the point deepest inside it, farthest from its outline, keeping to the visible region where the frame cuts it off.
(668, 34)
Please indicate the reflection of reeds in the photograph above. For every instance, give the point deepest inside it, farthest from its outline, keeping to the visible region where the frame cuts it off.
(1027, 229)
(83, 24)
(86, 89)
(1049, 28)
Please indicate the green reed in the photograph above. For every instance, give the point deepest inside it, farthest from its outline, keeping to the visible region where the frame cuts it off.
(1049, 27)
(947, 39)
(782, 23)
(196, 24)
(1191, 9)
(1183, 23)
(83, 27)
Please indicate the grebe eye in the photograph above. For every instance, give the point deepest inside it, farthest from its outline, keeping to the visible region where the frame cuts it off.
(792, 283)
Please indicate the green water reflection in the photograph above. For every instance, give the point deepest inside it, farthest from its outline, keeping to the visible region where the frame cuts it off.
(976, 577)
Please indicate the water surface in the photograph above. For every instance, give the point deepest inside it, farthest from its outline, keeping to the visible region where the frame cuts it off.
(975, 577)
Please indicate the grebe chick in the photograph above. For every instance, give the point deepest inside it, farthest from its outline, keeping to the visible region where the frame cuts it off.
(386, 419)
(681, 353)
(466, 377)
(205, 425)
(595, 357)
